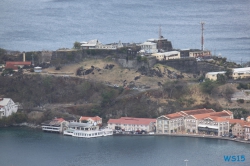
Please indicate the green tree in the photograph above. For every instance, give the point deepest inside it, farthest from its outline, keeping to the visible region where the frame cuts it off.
(208, 86)
(221, 79)
(229, 73)
(77, 45)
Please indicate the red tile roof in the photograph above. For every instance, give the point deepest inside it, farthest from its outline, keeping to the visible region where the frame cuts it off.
(174, 115)
(197, 111)
(15, 64)
(131, 120)
(239, 121)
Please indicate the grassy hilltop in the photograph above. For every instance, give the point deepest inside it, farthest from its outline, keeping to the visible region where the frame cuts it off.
(106, 89)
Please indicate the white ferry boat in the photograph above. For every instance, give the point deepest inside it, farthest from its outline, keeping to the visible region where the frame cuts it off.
(86, 130)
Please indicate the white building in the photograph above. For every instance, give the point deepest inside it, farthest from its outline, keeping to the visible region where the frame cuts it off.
(7, 107)
(55, 125)
(149, 47)
(132, 124)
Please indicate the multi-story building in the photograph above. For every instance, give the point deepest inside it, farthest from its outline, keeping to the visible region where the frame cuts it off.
(237, 127)
(247, 131)
(175, 122)
(132, 124)
(7, 107)
(195, 121)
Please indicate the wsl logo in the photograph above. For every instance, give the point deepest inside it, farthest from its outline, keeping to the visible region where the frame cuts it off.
(239, 158)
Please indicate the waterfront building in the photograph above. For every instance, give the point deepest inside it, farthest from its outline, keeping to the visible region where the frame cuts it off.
(7, 107)
(247, 131)
(207, 124)
(167, 55)
(237, 127)
(132, 124)
(172, 123)
(55, 125)
(194, 121)
(92, 120)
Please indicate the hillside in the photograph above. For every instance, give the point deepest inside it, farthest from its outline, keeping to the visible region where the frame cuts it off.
(110, 91)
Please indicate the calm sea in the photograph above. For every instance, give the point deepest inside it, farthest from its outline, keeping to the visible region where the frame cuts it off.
(29, 147)
(28, 25)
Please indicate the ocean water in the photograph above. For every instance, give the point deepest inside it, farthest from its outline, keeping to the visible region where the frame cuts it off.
(28, 25)
(28, 147)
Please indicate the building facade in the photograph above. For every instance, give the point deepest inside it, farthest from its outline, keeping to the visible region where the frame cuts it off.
(7, 107)
(194, 121)
(132, 124)
(149, 47)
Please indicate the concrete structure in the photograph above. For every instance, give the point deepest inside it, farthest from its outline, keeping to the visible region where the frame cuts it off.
(132, 124)
(167, 55)
(7, 107)
(149, 47)
(243, 94)
(213, 75)
(92, 120)
(95, 44)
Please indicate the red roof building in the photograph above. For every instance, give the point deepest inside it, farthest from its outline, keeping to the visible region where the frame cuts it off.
(14, 65)
(132, 124)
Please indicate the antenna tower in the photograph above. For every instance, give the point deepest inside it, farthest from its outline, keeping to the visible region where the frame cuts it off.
(202, 35)
(160, 32)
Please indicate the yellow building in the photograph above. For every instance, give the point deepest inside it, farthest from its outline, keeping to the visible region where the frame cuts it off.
(213, 75)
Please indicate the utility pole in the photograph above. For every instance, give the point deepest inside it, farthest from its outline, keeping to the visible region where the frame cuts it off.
(32, 59)
(159, 39)
(202, 35)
